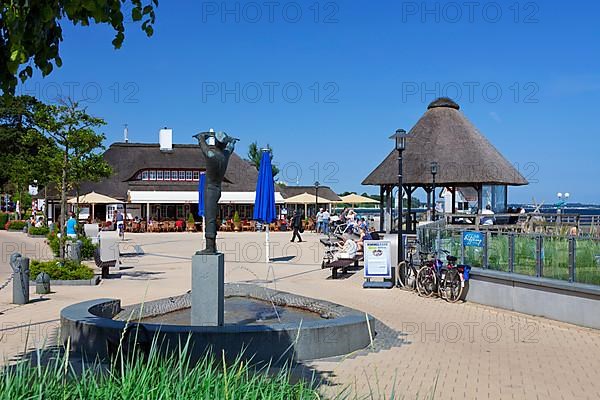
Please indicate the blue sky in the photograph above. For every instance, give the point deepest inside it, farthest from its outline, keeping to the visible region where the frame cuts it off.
(326, 83)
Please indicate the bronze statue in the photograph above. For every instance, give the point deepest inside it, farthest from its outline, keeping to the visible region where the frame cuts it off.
(217, 148)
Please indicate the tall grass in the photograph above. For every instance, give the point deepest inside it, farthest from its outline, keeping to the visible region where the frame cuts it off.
(555, 255)
(150, 377)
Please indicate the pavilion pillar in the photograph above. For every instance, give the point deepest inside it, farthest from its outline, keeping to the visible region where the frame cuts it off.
(147, 212)
(409, 221)
(428, 191)
(453, 200)
(381, 216)
(388, 210)
(479, 198)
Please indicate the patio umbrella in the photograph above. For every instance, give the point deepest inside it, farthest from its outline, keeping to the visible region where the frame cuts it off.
(93, 198)
(264, 203)
(201, 188)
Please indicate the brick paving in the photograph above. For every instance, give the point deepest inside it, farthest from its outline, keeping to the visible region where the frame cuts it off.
(428, 349)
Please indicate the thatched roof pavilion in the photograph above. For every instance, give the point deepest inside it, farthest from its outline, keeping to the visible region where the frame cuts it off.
(464, 156)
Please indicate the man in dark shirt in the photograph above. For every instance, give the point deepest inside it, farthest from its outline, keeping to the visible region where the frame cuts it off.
(296, 226)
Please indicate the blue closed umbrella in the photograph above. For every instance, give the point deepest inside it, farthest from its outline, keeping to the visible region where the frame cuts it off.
(201, 190)
(264, 202)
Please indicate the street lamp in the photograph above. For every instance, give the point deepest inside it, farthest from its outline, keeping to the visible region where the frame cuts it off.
(400, 140)
(434, 171)
(316, 197)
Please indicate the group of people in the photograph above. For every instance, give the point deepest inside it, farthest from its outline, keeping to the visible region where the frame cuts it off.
(323, 219)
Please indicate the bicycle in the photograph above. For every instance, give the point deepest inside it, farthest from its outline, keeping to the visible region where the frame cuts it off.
(410, 271)
(448, 281)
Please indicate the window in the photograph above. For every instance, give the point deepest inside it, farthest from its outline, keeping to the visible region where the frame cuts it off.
(139, 176)
(196, 175)
(159, 175)
(188, 175)
(167, 175)
(152, 175)
(173, 175)
(182, 175)
(145, 175)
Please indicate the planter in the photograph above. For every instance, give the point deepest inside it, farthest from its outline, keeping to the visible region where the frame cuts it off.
(237, 226)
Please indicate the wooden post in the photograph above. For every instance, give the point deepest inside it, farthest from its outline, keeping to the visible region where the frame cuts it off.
(381, 214)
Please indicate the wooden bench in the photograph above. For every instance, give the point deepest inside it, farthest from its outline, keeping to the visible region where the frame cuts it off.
(343, 264)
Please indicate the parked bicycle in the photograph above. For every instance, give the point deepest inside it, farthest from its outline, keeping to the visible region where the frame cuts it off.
(448, 281)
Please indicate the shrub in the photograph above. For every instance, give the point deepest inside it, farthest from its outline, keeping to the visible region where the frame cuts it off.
(3, 220)
(54, 243)
(15, 225)
(67, 270)
(41, 231)
(191, 219)
(87, 247)
(236, 218)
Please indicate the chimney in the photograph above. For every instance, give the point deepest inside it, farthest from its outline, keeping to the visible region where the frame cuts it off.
(165, 138)
(126, 134)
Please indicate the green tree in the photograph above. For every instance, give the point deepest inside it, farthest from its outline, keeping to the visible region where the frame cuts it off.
(73, 132)
(26, 154)
(255, 154)
(31, 31)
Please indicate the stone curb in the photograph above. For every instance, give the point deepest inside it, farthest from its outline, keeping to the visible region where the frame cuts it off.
(76, 282)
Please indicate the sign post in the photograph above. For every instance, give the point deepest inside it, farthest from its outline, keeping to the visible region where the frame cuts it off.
(378, 264)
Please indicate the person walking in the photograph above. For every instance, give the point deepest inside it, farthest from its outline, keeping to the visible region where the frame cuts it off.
(71, 226)
(325, 222)
(296, 226)
(319, 227)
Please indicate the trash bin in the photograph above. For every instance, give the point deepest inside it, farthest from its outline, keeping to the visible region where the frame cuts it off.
(42, 283)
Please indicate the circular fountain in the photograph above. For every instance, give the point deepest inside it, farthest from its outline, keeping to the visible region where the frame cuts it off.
(261, 324)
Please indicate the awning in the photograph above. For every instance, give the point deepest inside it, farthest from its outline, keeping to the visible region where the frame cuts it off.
(165, 197)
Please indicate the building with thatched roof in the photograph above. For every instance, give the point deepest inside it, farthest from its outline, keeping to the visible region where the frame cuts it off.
(160, 181)
(465, 159)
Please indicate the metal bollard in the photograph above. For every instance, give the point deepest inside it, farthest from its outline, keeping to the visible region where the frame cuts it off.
(42, 283)
(20, 267)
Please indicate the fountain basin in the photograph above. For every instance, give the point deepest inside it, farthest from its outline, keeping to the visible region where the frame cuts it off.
(316, 329)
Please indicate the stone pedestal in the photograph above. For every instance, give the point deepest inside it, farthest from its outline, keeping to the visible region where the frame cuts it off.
(208, 280)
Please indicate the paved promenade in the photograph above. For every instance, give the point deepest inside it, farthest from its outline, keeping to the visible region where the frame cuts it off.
(432, 350)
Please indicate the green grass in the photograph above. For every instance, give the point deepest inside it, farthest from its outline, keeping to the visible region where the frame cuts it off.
(555, 255)
(149, 378)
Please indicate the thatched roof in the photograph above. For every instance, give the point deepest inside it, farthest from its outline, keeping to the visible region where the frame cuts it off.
(464, 155)
(127, 159)
(324, 191)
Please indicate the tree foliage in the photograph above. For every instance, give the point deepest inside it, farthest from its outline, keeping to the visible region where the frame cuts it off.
(255, 155)
(73, 132)
(31, 31)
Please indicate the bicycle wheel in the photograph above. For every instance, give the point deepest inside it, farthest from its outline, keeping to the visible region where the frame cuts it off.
(411, 277)
(451, 287)
(426, 281)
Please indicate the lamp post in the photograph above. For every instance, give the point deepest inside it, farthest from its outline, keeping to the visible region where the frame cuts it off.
(434, 171)
(317, 184)
(400, 140)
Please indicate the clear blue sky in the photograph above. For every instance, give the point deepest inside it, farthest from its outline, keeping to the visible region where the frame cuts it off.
(364, 69)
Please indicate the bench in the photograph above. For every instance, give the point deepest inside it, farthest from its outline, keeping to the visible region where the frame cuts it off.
(343, 264)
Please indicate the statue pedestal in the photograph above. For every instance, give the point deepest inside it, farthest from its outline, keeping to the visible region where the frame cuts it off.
(208, 280)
